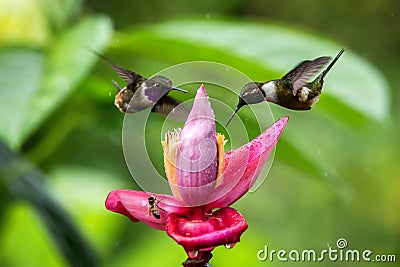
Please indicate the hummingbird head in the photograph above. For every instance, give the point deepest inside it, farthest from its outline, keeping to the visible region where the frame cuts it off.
(250, 94)
(157, 86)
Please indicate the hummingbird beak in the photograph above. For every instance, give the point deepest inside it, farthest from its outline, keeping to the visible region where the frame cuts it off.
(231, 117)
(179, 89)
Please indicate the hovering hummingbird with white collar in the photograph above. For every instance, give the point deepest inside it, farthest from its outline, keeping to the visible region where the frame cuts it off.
(141, 93)
(293, 91)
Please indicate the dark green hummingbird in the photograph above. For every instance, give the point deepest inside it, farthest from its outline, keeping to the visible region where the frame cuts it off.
(293, 91)
(141, 93)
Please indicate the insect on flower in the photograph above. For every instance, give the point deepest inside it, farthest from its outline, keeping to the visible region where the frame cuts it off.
(153, 207)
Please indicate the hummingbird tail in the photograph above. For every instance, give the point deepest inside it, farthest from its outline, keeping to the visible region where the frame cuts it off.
(332, 63)
(116, 85)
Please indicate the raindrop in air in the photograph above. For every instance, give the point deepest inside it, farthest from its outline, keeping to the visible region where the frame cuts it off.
(326, 174)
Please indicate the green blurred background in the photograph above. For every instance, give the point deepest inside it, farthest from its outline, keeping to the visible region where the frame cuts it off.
(335, 173)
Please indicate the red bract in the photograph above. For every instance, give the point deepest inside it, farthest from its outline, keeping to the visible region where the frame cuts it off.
(223, 227)
(202, 178)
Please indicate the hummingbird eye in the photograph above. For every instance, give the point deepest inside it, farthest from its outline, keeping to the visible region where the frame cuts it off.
(157, 85)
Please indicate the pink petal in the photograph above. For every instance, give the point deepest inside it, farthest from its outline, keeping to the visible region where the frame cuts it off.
(225, 226)
(197, 153)
(134, 204)
(243, 165)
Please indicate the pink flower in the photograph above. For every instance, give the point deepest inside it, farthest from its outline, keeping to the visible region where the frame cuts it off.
(204, 181)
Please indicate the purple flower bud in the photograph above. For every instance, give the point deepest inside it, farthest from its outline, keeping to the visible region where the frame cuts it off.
(197, 156)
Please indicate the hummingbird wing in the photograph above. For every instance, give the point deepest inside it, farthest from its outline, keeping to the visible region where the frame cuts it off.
(127, 75)
(300, 75)
(168, 106)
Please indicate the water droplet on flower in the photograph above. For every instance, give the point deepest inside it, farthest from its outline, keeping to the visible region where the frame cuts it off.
(193, 254)
(229, 246)
(208, 212)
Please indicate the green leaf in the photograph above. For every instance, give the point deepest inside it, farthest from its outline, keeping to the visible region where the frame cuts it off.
(27, 97)
(20, 75)
(68, 62)
(22, 232)
(91, 215)
(24, 182)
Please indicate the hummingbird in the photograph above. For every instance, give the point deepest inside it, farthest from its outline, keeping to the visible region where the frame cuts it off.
(141, 93)
(293, 91)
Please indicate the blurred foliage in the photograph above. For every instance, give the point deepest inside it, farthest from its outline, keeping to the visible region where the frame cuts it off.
(335, 170)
